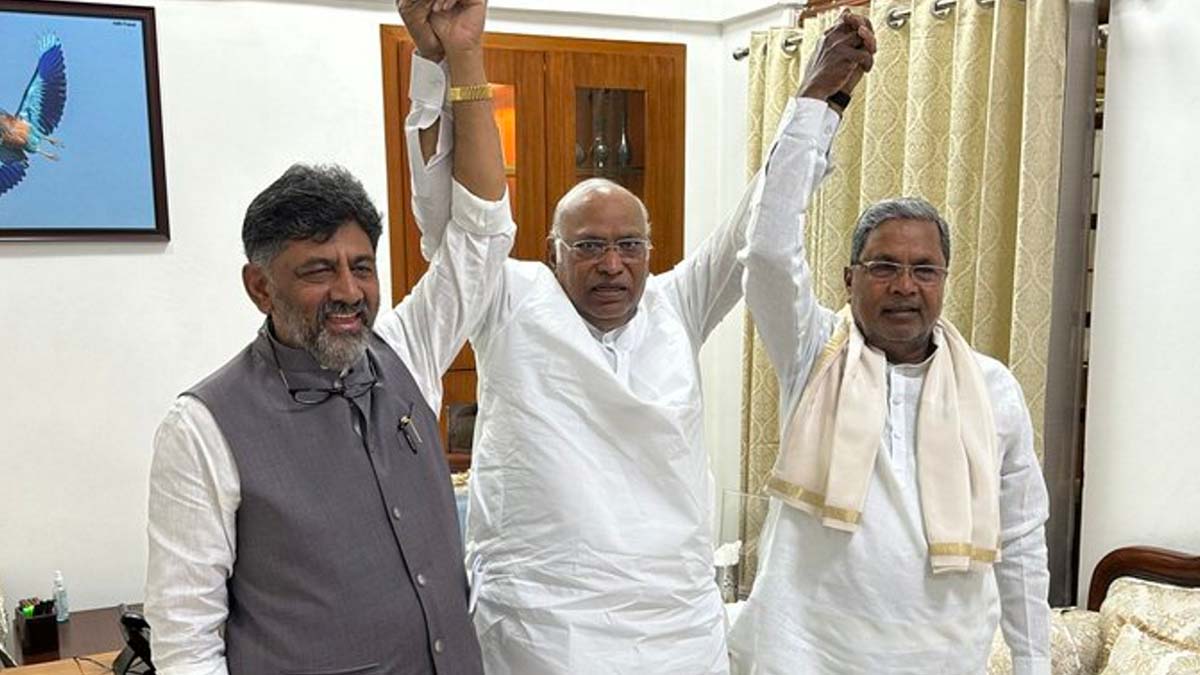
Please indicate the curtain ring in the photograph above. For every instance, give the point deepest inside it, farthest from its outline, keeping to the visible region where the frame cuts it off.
(898, 16)
(941, 8)
(791, 45)
(986, 3)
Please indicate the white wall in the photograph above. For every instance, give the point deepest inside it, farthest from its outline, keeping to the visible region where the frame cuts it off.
(97, 339)
(1142, 458)
(721, 358)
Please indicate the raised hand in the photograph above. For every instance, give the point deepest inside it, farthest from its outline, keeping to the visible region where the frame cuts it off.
(846, 51)
(459, 24)
(416, 14)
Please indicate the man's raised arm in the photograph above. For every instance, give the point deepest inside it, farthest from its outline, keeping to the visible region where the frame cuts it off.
(431, 325)
(429, 127)
(777, 281)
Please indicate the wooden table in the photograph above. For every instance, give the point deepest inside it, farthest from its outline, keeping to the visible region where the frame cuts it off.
(69, 666)
(91, 631)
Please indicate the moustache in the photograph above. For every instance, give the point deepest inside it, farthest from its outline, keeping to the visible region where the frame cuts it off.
(344, 308)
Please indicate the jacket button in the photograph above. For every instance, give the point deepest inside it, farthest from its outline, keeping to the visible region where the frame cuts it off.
(439, 646)
(396, 512)
(420, 579)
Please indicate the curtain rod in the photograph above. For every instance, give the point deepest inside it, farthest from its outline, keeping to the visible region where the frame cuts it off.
(896, 18)
(800, 12)
(815, 7)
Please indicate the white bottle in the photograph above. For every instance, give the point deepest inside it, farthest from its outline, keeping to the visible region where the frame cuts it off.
(62, 612)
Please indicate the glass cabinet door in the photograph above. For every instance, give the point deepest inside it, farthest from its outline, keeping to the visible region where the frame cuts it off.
(610, 136)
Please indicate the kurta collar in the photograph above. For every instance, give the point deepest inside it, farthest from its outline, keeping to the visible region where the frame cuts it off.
(919, 369)
(624, 336)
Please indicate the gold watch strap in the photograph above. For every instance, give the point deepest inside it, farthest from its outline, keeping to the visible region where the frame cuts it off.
(474, 92)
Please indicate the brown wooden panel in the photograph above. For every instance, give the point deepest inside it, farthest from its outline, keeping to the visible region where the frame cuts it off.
(395, 108)
(665, 166)
(1143, 562)
(458, 387)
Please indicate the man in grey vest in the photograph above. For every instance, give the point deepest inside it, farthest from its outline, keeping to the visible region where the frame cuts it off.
(301, 518)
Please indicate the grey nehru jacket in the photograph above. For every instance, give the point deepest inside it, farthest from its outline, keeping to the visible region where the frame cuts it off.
(348, 556)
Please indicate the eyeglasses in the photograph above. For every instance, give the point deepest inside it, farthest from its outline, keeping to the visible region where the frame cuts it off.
(883, 270)
(627, 248)
(318, 395)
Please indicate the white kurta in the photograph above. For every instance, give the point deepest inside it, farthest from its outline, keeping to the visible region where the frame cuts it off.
(829, 602)
(591, 496)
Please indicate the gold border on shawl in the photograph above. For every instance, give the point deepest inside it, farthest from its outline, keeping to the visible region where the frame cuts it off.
(849, 516)
(788, 490)
(791, 491)
(964, 550)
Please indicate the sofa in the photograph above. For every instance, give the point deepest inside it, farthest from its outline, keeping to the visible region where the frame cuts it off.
(1143, 617)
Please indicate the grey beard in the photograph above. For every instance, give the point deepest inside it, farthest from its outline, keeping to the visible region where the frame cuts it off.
(339, 353)
(332, 352)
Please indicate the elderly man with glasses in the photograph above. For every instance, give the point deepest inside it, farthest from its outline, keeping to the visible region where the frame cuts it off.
(908, 507)
(590, 508)
(301, 517)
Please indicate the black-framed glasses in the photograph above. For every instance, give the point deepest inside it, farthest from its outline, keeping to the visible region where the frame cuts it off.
(627, 248)
(885, 270)
(318, 395)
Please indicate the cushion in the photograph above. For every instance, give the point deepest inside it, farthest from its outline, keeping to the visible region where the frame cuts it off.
(1139, 651)
(1170, 612)
(1075, 643)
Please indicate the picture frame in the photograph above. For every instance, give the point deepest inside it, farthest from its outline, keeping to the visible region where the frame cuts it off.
(81, 142)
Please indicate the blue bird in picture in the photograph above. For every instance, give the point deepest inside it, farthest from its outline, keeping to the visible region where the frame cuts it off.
(41, 109)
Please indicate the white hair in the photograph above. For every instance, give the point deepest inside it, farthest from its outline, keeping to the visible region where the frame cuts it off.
(583, 191)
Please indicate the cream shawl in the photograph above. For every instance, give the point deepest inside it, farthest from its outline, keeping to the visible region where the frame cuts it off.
(828, 450)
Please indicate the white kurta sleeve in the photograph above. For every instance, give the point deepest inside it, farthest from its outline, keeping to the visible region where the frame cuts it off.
(777, 280)
(194, 496)
(1022, 575)
(705, 285)
(430, 181)
(708, 283)
(430, 326)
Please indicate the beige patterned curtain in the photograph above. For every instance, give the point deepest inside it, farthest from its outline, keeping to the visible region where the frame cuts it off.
(964, 110)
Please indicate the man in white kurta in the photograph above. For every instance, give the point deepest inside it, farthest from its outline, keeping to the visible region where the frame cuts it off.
(827, 601)
(590, 506)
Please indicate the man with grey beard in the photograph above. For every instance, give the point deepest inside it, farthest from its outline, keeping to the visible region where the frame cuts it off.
(301, 518)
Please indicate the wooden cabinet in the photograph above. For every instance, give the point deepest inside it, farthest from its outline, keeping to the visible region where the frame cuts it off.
(567, 109)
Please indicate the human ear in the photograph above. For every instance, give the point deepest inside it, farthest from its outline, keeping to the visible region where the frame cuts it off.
(258, 286)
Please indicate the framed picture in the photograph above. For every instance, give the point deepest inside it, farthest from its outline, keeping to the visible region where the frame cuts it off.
(81, 152)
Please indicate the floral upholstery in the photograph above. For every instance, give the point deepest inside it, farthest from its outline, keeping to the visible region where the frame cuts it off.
(1137, 651)
(1147, 627)
(1075, 644)
(1168, 612)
